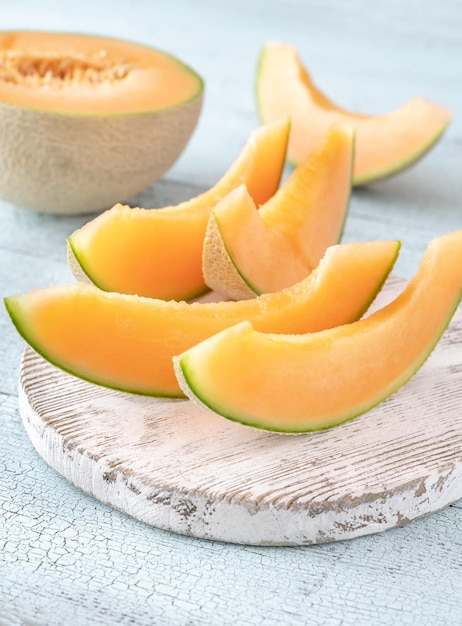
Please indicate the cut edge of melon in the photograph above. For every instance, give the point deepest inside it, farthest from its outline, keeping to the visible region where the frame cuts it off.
(407, 163)
(196, 94)
(397, 167)
(11, 304)
(187, 382)
(189, 378)
(273, 311)
(76, 266)
(190, 388)
(277, 133)
(224, 274)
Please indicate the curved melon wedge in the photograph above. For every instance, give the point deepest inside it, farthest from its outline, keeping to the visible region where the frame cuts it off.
(128, 342)
(319, 380)
(385, 144)
(249, 252)
(158, 253)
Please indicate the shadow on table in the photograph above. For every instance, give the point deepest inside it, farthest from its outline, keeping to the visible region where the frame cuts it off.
(166, 193)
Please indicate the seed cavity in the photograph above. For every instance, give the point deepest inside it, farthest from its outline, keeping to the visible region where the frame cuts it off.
(21, 68)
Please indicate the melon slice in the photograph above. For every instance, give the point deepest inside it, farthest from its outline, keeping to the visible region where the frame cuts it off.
(289, 383)
(88, 121)
(385, 144)
(158, 253)
(127, 342)
(249, 252)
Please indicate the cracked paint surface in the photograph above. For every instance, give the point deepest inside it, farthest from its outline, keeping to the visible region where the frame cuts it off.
(67, 559)
(64, 555)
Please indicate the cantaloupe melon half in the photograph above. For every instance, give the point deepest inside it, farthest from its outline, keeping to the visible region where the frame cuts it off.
(88, 121)
(158, 253)
(314, 381)
(127, 342)
(249, 252)
(385, 144)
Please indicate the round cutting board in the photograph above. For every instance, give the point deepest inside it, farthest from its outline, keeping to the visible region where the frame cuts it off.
(176, 466)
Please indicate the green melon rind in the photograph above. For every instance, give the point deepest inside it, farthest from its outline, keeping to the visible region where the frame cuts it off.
(80, 271)
(76, 265)
(257, 80)
(247, 287)
(184, 376)
(402, 165)
(241, 286)
(11, 304)
(374, 176)
(20, 321)
(380, 284)
(189, 381)
(85, 137)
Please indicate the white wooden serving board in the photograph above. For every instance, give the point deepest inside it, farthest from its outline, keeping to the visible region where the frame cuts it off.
(176, 466)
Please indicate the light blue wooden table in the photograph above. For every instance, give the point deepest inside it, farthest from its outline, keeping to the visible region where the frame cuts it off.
(65, 558)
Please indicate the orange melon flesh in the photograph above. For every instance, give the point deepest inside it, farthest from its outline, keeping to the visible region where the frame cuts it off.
(284, 241)
(158, 253)
(86, 74)
(315, 381)
(385, 144)
(127, 342)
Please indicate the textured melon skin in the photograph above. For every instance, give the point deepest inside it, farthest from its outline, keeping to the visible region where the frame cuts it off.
(248, 252)
(128, 342)
(220, 272)
(61, 163)
(158, 253)
(85, 152)
(296, 384)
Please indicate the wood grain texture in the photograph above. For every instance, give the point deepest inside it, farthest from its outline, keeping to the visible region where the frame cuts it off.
(65, 557)
(174, 465)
